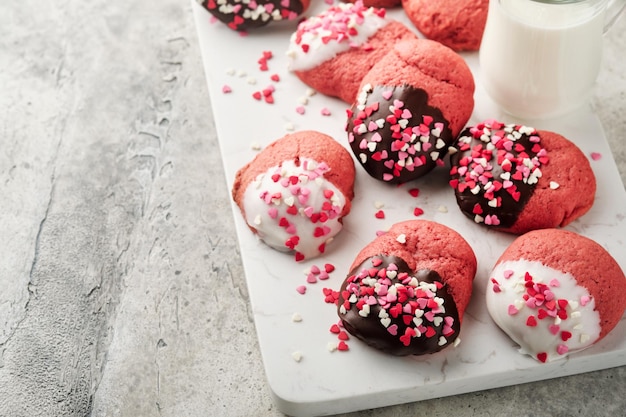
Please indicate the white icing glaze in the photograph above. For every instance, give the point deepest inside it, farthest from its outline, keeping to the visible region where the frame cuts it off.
(507, 304)
(295, 207)
(336, 30)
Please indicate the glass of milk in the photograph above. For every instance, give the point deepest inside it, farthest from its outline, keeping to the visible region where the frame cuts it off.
(539, 59)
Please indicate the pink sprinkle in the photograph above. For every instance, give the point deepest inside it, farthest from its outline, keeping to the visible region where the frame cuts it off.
(311, 279)
(513, 310)
(584, 300)
(554, 283)
(301, 289)
(508, 273)
(226, 89)
(554, 328)
(496, 288)
(323, 276)
(300, 110)
(561, 349)
(315, 269)
(596, 156)
(325, 111)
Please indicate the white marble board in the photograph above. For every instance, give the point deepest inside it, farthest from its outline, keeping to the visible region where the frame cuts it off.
(325, 382)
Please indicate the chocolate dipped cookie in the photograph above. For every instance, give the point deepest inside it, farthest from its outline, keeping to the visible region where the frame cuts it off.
(295, 193)
(407, 290)
(515, 178)
(410, 107)
(556, 292)
(243, 15)
(332, 51)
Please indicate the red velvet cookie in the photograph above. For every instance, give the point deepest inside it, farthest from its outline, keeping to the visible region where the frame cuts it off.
(555, 292)
(515, 179)
(331, 52)
(295, 193)
(244, 15)
(407, 290)
(410, 107)
(387, 4)
(458, 24)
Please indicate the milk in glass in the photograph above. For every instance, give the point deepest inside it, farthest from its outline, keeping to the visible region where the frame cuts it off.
(540, 60)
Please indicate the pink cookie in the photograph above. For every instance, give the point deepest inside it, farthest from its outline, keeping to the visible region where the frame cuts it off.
(515, 179)
(387, 4)
(458, 24)
(408, 289)
(295, 193)
(243, 15)
(410, 107)
(555, 292)
(331, 52)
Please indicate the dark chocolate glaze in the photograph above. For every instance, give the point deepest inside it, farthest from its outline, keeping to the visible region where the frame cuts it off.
(247, 18)
(510, 202)
(415, 100)
(370, 329)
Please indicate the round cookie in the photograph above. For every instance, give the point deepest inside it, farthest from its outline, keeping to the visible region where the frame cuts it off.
(410, 107)
(243, 15)
(387, 4)
(295, 193)
(515, 179)
(331, 52)
(407, 290)
(555, 292)
(458, 24)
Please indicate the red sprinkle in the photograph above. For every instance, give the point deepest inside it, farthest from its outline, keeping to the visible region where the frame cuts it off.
(380, 214)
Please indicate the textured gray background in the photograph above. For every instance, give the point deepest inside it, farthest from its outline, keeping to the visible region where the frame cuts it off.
(121, 287)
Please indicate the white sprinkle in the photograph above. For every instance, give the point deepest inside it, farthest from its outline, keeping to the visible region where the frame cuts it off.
(584, 337)
(289, 127)
(296, 318)
(379, 204)
(297, 356)
(255, 146)
(251, 80)
(401, 238)
(442, 341)
(230, 71)
(310, 92)
(554, 185)
(442, 209)
(456, 342)
(331, 346)
(257, 219)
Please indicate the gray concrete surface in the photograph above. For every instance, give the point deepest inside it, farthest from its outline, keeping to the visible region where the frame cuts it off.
(121, 287)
